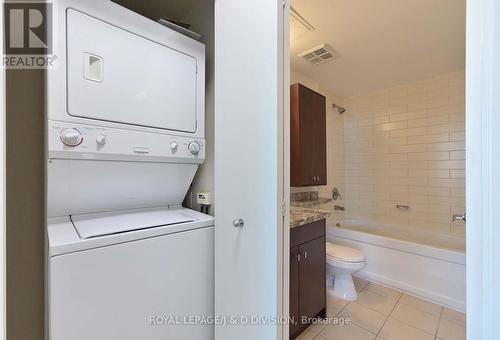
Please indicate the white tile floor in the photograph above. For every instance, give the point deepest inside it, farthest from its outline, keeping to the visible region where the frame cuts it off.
(381, 313)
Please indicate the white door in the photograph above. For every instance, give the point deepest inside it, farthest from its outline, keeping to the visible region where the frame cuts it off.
(483, 169)
(248, 167)
(2, 188)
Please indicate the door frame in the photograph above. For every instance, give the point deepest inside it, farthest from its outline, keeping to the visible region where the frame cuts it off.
(284, 262)
(483, 164)
(3, 256)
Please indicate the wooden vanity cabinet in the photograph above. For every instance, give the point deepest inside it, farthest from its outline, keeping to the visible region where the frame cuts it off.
(307, 274)
(307, 137)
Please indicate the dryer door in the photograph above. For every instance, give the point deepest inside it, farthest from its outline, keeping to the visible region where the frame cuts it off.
(117, 76)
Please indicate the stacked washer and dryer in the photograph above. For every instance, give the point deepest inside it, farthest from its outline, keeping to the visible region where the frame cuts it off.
(125, 130)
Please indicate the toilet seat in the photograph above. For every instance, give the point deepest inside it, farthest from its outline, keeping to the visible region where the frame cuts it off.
(338, 253)
(351, 266)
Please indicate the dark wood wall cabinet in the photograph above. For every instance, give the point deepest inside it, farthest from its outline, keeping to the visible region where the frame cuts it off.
(307, 275)
(307, 137)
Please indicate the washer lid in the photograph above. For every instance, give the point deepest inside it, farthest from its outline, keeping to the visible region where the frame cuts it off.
(342, 253)
(95, 225)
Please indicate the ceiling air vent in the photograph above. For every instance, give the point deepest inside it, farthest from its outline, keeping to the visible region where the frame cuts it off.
(318, 54)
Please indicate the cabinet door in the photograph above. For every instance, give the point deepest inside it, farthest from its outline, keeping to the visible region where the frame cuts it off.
(312, 287)
(308, 137)
(308, 107)
(301, 144)
(318, 115)
(294, 291)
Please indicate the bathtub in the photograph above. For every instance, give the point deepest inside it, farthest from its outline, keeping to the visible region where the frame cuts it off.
(409, 259)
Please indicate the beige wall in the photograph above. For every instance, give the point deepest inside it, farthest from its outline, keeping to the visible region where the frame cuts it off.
(202, 19)
(334, 147)
(25, 204)
(405, 145)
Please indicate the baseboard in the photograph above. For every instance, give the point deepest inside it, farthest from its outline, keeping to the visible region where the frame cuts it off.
(424, 294)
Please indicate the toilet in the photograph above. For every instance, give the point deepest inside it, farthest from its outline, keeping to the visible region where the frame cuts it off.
(341, 262)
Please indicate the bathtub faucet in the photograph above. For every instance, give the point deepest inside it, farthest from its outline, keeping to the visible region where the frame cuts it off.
(336, 207)
(458, 217)
(336, 194)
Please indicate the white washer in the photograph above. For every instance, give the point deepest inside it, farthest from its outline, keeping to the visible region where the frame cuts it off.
(131, 275)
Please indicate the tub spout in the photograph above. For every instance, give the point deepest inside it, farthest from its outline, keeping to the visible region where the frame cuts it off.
(336, 207)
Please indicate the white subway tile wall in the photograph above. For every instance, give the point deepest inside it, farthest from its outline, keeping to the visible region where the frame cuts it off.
(406, 146)
(334, 160)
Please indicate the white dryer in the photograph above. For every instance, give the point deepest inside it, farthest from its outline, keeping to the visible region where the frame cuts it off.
(125, 136)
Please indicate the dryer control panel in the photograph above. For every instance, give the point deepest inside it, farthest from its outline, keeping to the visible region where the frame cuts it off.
(78, 141)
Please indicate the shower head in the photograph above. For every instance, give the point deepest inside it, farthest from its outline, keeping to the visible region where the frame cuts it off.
(339, 108)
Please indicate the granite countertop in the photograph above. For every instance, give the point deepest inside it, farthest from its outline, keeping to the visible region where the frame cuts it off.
(311, 203)
(300, 216)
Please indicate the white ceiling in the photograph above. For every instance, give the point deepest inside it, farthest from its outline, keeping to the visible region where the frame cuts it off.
(381, 43)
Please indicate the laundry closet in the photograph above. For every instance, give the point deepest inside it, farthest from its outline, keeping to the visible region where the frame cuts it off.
(129, 145)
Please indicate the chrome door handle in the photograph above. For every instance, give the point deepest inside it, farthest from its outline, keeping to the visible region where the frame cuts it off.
(457, 217)
(238, 223)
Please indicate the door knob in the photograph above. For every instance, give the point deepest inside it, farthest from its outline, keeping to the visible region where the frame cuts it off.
(238, 223)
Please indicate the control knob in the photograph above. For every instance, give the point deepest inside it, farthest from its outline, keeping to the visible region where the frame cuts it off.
(71, 137)
(101, 139)
(194, 148)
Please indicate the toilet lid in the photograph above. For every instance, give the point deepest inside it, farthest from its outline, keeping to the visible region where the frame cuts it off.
(343, 253)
